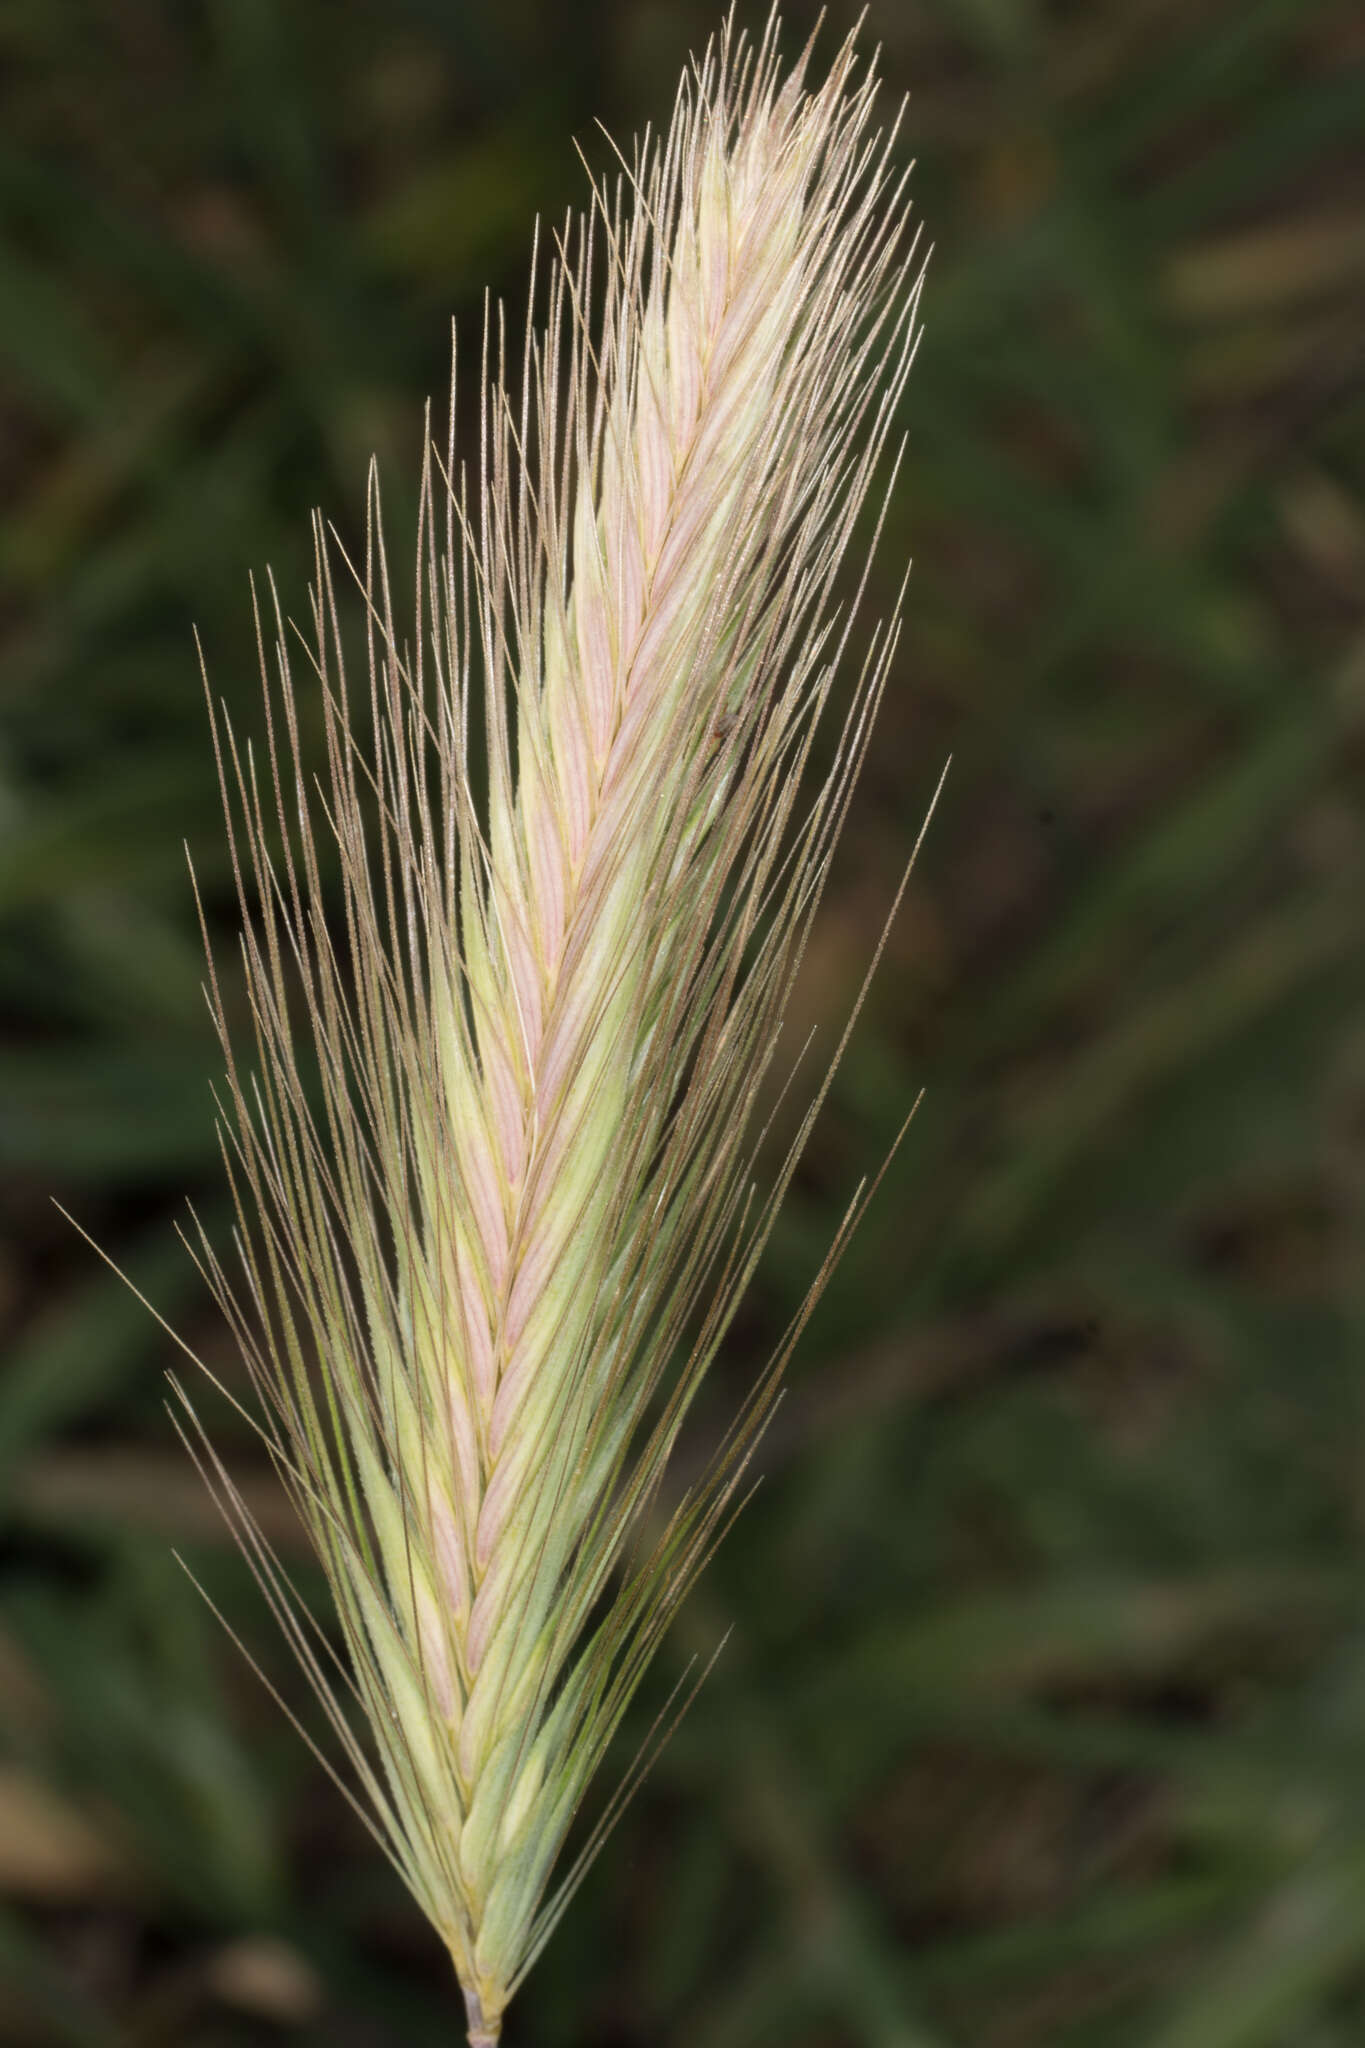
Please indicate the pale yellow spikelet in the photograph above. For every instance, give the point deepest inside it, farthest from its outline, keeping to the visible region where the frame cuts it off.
(490, 1149)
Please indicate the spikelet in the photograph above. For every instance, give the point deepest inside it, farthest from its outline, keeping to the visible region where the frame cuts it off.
(490, 1148)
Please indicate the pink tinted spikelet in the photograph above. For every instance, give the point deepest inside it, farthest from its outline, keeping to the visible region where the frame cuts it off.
(517, 966)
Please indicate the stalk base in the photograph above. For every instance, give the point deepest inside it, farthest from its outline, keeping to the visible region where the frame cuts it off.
(483, 2033)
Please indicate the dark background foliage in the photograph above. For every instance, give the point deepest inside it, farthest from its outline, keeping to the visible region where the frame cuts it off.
(1042, 1719)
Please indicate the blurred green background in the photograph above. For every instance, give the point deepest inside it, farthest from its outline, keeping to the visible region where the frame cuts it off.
(1042, 1719)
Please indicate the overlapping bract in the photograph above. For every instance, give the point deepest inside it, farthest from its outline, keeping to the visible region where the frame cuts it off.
(490, 1146)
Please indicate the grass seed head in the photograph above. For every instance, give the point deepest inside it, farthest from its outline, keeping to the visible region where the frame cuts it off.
(516, 966)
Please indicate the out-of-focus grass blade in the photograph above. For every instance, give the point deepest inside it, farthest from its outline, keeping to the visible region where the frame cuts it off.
(1305, 1938)
(82, 1351)
(141, 1722)
(121, 1108)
